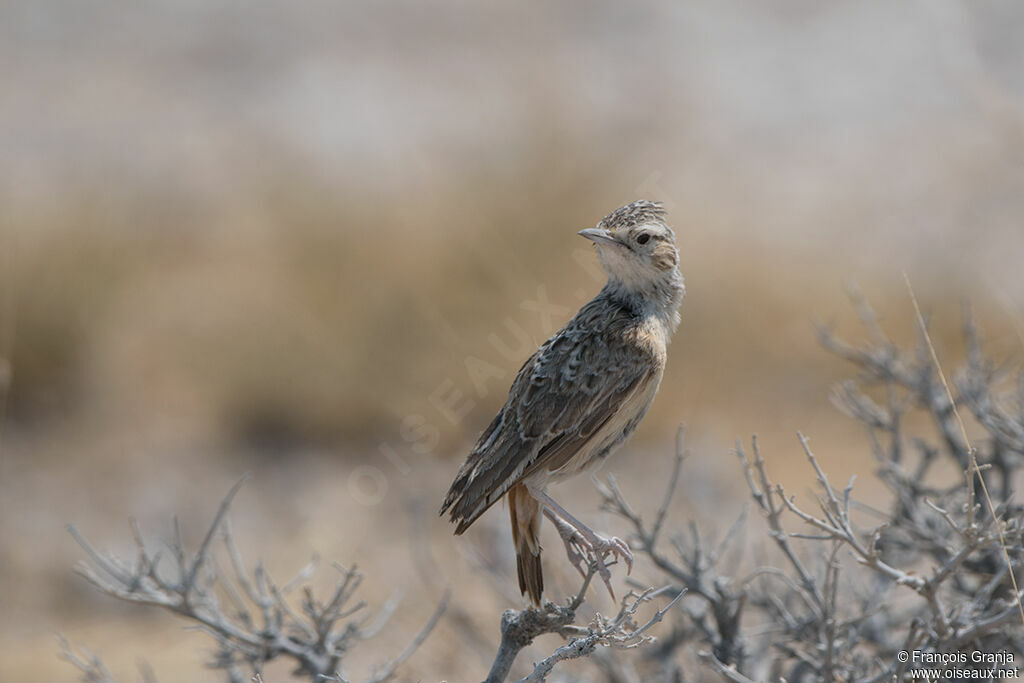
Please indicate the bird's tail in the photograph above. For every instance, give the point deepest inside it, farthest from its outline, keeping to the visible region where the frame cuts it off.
(525, 512)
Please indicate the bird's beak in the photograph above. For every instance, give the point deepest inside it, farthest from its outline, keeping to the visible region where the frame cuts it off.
(599, 235)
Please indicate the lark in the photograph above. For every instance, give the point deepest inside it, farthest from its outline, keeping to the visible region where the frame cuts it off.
(579, 397)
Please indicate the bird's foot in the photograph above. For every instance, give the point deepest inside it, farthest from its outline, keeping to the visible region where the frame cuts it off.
(585, 547)
(600, 547)
(616, 546)
(576, 546)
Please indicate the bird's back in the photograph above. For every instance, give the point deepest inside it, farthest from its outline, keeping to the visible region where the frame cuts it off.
(578, 396)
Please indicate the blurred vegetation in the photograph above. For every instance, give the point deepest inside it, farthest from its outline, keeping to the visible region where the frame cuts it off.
(297, 314)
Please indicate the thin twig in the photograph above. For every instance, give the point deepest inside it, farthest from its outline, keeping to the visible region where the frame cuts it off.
(971, 452)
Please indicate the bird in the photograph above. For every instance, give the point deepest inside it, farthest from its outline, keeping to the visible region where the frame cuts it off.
(579, 397)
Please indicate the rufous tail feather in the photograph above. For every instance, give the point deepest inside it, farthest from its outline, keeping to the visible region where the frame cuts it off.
(525, 514)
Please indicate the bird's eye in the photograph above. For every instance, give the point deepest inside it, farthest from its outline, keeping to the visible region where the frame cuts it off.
(643, 238)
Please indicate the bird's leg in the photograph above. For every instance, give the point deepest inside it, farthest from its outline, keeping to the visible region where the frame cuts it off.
(578, 537)
(576, 546)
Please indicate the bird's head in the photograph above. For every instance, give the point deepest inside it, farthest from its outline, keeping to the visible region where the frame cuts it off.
(636, 247)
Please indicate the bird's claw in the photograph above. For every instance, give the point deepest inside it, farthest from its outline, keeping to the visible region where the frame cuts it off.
(592, 551)
(615, 547)
(576, 546)
(619, 548)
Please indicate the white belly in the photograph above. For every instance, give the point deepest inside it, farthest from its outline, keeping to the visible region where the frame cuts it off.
(612, 435)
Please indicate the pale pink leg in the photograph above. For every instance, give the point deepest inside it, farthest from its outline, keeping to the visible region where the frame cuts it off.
(581, 540)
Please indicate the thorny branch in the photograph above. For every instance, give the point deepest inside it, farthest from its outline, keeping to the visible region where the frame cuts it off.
(694, 568)
(935, 576)
(519, 629)
(253, 619)
(618, 632)
(850, 585)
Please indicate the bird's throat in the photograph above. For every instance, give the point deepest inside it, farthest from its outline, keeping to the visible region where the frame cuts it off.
(659, 297)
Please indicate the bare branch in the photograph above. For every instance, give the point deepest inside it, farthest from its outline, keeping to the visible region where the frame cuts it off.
(262, 624)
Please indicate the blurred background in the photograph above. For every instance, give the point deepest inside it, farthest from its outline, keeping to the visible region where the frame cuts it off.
(315, 240)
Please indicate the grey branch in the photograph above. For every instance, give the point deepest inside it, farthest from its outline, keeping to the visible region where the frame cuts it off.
(519, 629)
(252, 618)
(620, 632)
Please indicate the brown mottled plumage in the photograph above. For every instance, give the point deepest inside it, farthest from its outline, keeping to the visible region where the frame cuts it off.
(581, 394)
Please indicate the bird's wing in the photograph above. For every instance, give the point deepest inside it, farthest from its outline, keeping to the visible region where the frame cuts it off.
(572, 386)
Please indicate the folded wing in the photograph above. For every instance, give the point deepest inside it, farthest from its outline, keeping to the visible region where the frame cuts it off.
(570, 388)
